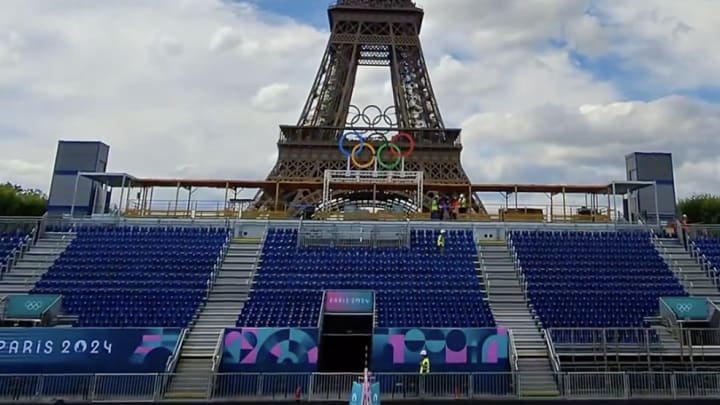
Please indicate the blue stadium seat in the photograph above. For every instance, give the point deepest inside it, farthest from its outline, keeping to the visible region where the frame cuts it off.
(593, 279)
(135, 276)
(709, 248)
(415, 287)
(10, 243)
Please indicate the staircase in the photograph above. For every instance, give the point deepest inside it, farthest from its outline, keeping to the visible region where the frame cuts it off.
(686, 268)
(224, 303)
(37, 260)
(667, 342)
(510, 310)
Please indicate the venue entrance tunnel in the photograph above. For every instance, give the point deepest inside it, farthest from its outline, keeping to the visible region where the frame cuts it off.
(345, 343)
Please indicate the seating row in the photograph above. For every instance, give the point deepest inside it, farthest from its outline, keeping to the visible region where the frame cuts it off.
(9, 243)
(135, 276)
(593, 279)
(416, 286)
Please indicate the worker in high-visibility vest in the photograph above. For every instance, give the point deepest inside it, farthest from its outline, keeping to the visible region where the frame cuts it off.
(441, 242)
(424, 363)
(463, 204)
(434, 208)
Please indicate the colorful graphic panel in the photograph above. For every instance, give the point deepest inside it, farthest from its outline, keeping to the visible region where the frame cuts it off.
(86, 350)
(287, 350)
(349, 302)
(449, 350)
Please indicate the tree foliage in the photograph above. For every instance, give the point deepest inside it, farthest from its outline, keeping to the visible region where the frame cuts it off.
(16, 201)
(704, 208)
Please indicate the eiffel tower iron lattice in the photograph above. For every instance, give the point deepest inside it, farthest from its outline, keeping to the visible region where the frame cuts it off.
(368, 33)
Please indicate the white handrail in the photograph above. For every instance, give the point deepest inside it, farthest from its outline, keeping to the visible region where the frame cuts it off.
(554, 358)
(513, 351)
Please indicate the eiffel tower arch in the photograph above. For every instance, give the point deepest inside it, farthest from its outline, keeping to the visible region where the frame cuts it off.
(369, 33)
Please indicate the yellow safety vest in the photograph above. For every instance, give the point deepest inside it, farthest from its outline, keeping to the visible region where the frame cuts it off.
(425, 366)
(441, 241)
(434, 205)
(463, 202)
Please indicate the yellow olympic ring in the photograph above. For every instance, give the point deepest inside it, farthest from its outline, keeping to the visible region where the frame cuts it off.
(354, 153)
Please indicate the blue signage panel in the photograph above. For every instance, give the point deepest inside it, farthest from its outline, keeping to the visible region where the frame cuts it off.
(349, 302)
(29, 306)
(356, 394)
(375, 394)
(688, 308)
(268, 350)
(449, 350)
(86, 350)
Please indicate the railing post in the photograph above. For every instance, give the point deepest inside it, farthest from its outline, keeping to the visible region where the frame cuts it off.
(37, 392)
(470, 385)
(311, 385)
(158, 383)
(210, 386)
(93, 388)
(673, 385)
(626, 385)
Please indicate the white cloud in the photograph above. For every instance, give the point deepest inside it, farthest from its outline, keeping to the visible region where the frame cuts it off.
(273, 97)
(224, 39)
(197, 88)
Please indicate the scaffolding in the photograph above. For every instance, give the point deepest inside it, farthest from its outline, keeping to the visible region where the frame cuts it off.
(373, 179)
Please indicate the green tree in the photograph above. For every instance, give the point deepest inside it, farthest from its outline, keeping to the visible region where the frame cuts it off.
(16, 201)
(703, 208)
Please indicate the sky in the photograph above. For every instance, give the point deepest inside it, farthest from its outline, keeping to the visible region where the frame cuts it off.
(546, 91)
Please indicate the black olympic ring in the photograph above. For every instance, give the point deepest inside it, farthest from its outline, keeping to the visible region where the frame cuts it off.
(371, 116)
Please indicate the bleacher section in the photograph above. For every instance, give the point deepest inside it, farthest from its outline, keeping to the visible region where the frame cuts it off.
(415, 286)
(135, 276)
(9, 244)
(710, 249)
(593, 279)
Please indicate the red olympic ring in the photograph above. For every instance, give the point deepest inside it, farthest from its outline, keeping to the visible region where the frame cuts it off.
(410, 140)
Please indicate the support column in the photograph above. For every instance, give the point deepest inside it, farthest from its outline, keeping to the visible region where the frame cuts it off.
(72, 206)
(177, 198)
(657, 209)
(614, 197)
(552, 208)
(277, 194)
(564, 194)
(122, 195)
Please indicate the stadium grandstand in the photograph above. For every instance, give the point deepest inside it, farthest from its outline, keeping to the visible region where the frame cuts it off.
(366, 252)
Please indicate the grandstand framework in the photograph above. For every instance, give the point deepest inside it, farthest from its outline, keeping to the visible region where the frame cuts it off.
(381, 181)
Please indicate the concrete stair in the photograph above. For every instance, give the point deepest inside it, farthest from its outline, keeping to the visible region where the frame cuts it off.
(510, 309)
(686, 268)
(224, 303)
(35, 262)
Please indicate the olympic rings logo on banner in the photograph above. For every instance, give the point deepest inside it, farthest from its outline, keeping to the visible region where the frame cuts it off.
(683, 307)
(376, 154)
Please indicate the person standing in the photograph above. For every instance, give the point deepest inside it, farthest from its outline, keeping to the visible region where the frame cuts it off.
(463, 204)
(424, 363)
(441, 242)
(685, 229)
(434, 208)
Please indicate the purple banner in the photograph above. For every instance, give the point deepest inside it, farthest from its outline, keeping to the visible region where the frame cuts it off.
(349, 302)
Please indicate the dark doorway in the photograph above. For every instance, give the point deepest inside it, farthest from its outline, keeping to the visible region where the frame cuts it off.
(345, 344)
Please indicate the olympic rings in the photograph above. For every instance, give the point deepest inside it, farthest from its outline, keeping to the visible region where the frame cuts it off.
(376, 153)
(371, 116)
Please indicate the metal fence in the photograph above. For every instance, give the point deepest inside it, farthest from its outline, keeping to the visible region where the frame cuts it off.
(318, 387)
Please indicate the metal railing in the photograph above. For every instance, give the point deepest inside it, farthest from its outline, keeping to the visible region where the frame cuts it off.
(319, 386)
(710, 269)
(175, 357)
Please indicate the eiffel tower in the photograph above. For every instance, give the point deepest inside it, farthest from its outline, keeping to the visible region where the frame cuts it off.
(368, 33)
